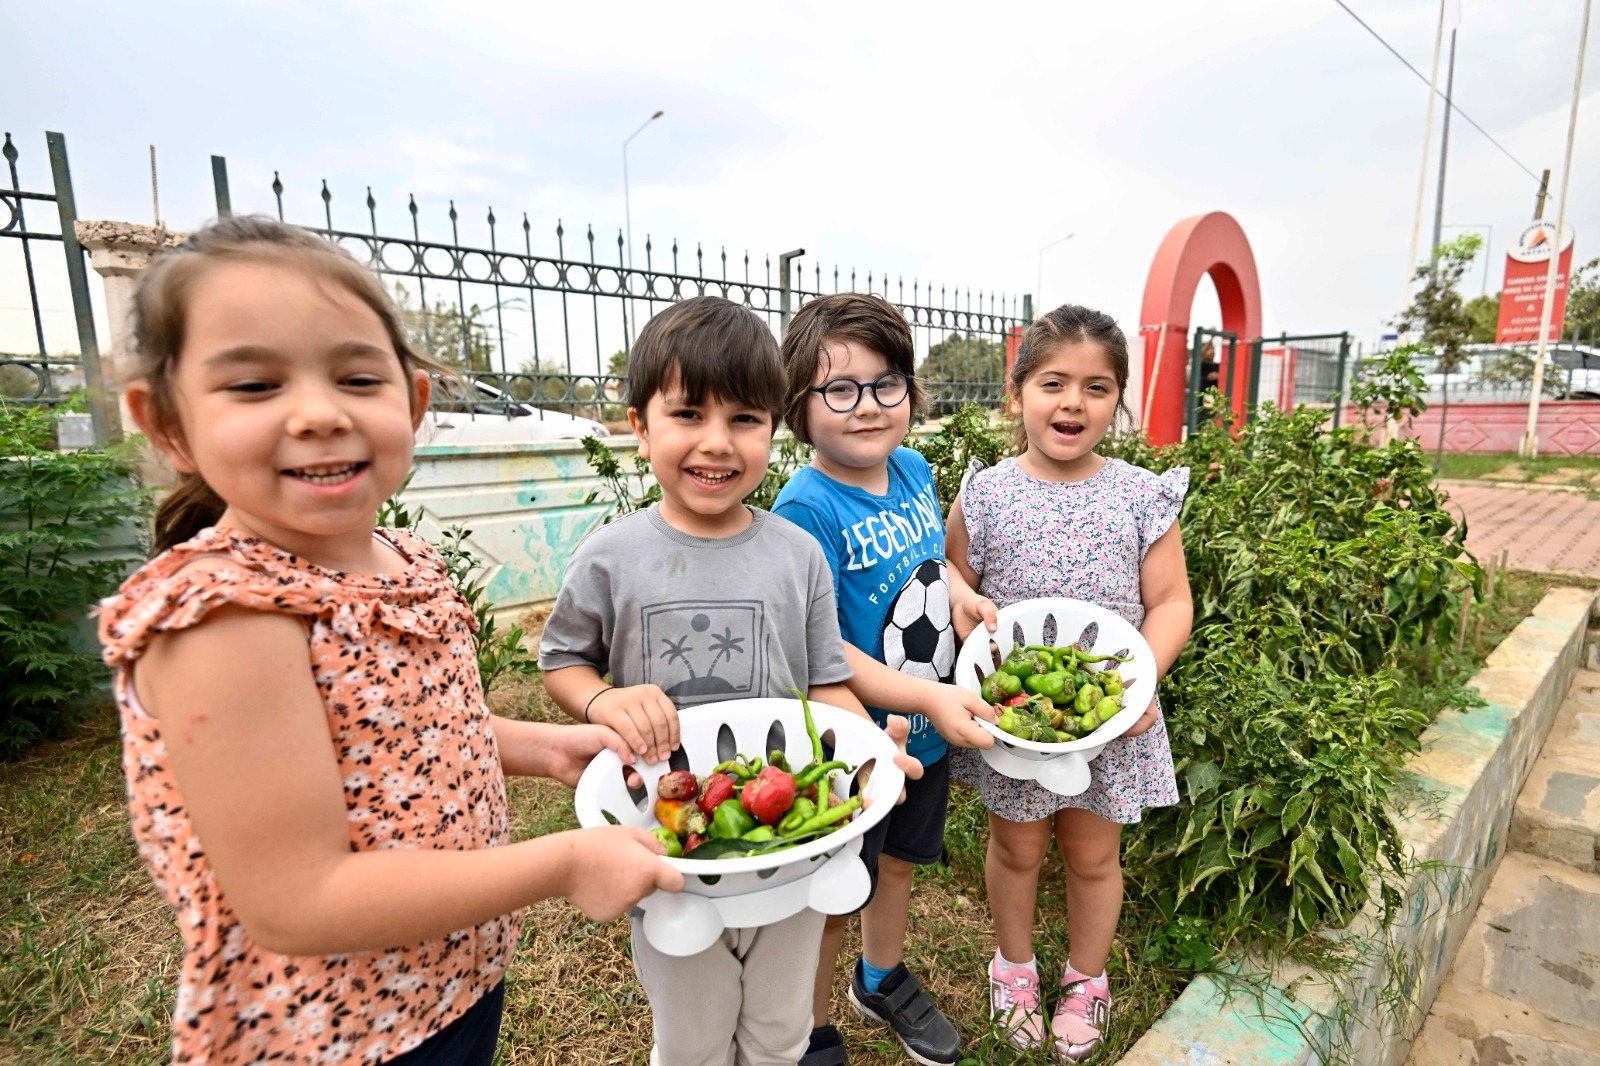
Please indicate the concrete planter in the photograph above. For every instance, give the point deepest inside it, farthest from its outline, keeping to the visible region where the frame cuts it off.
(1475, 763)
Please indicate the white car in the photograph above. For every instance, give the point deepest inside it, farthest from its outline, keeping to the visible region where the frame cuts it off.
(1572, 372)
(476, 412)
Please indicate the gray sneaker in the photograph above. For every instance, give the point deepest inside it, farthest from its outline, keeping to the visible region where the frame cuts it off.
(902, 1002)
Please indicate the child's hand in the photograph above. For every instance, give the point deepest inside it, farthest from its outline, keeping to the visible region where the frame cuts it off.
(899, 729)
(1146, 720)
(952, 709)
(968, 610)
(610, 868)
(643, 715)
(567, 749)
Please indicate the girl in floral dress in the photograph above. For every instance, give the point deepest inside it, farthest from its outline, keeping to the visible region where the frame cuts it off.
(1059, 520)
(300, 690)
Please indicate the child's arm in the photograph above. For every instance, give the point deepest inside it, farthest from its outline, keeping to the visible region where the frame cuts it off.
(1168, 609)
(956, 543)
(949, 707)
(246, 734)
(643, 714)
(543, 749)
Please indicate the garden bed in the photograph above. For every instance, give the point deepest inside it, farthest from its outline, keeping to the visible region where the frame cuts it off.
(1465, 781)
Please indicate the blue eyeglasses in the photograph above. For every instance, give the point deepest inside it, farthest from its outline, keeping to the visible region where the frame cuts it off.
(842, 395)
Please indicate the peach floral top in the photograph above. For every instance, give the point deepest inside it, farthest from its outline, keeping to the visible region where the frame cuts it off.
(393, 657)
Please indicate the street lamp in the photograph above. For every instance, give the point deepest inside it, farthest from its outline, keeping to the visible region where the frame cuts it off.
(1038, 281)
(627, 210)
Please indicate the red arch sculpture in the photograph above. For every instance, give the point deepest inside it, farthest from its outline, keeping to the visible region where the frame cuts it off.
(1212, 244)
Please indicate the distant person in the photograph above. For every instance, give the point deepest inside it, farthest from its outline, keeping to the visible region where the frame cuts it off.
(1060, 520)
(1209, 367)
(705, 392)
(299, 689)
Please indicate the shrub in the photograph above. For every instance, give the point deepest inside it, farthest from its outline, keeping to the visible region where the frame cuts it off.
(58, 510)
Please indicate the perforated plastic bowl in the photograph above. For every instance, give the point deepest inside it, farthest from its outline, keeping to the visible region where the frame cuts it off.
(1061, 768)
(825, 874)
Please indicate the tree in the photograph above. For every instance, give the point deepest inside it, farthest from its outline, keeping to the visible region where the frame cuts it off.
(1438, 315)
(968, 362)
(458, 339)
(1583, 304)
(1484, 311)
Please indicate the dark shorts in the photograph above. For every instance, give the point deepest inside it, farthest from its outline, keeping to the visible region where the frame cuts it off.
(470, 1040)
(914, 831)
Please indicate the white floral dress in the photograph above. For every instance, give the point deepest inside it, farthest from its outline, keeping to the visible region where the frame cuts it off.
(1087, 540)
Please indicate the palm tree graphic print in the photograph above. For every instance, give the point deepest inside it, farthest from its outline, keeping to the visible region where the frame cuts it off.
(698, 640)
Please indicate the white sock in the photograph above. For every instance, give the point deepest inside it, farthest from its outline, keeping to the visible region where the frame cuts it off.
(1031, 964)
(1100, 983)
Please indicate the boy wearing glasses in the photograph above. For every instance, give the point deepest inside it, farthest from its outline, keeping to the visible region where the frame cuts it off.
(871, 505)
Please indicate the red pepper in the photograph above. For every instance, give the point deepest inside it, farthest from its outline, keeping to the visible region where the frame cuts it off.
(1018, 700)
(680, 816)
(694, 841)
(769, 796)
(677, 785)
(718, 787)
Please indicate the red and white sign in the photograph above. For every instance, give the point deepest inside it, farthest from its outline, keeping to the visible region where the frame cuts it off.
(1527, 270)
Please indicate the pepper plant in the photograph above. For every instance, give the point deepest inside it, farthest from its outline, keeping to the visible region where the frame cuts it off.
(57, 512)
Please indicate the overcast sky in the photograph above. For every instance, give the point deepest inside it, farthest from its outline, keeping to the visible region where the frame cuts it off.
(930, 140)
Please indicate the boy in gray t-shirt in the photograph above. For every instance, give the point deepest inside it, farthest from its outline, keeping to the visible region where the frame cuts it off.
(698, 599)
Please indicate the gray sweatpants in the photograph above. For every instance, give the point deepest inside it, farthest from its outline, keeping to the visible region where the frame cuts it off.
(744, 1001)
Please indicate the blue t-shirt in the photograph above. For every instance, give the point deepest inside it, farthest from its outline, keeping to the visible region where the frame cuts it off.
(887, 557)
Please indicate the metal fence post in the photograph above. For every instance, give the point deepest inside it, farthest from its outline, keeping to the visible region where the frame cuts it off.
(1027, 307)
(784, 289)
(106, 427)
(219, 182)
(1191, 420)
(1338, 384)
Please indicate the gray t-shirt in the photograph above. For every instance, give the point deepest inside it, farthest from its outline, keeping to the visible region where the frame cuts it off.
(706, 619)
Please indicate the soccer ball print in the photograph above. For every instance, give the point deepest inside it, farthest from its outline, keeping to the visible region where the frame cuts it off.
(918, 636)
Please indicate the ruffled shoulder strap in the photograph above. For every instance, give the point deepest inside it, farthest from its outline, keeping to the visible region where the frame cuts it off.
(223, 567)
(1160, 501)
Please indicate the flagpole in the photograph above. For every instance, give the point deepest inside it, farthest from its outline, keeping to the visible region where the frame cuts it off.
(1427, 145)
(1530, 443)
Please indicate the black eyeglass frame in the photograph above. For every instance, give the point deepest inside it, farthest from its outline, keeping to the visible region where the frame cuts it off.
(861, 388)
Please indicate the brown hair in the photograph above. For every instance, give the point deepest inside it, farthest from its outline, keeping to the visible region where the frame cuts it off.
(160, 312)
(711, 346)
(1068, 324)
(870, 321)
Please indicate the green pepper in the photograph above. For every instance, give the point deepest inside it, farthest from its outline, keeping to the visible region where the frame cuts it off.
(1087, 697)
(1019, 664)
(1043, 662)
(1088, 724)
(1107, 709)
(1010, 723)
(730, 820)
(799, 812)
(1105, 658)
(825, 818)
(1051, 684)
(778, 759)
(670, 840)
(1082, 677)
(759, 834)
(1007, 685)
(1110, 681)
(812, 774)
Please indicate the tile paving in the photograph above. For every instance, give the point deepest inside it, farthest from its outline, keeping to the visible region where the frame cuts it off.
(1542, 529)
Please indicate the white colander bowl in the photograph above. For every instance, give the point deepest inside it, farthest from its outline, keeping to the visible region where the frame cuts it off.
(1061, 768)
(825, 874)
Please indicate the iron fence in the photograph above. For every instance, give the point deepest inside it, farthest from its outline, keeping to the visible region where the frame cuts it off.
(545, 321)
(35, 375)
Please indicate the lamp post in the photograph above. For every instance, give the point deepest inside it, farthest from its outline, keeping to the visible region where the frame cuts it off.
(627, 209)
(1038, 281)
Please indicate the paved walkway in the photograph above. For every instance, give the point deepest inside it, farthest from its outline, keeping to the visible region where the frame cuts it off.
(1524, 989)
(1556, 532)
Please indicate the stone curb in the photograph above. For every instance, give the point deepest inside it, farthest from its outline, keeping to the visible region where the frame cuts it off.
(1472, 766)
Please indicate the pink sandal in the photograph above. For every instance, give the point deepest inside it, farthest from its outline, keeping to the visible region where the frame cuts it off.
(1080, 1018)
